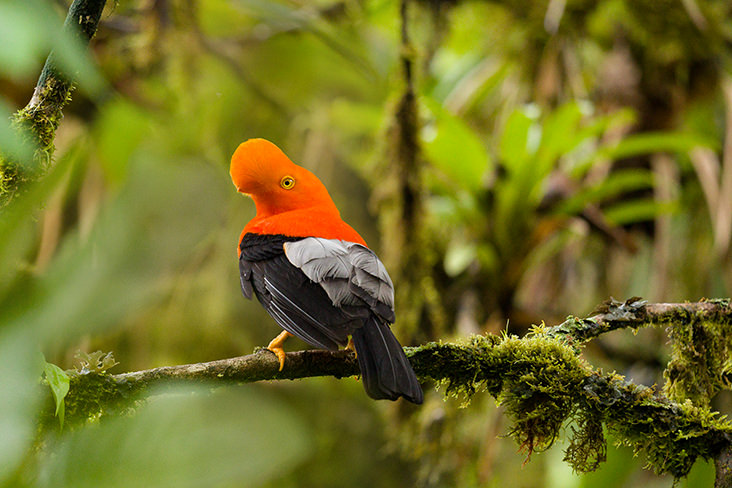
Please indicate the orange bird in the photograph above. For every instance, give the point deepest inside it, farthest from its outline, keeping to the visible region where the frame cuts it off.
(313, 273)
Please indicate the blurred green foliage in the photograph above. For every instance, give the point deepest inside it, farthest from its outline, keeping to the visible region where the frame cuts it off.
(219, 438)
(502, 218)
(540, 133)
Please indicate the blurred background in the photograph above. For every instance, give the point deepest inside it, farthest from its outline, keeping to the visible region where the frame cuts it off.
(566, 151)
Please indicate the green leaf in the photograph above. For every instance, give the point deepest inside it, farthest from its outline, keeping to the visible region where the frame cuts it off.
(455, 149)
(559, 134)
(585, 153)
(655, 142)
(514, 148)
(641, 144)
(617, 183)
(58, 381)
(641, 210)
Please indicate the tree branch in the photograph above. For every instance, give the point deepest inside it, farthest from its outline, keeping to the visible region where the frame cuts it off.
(635, 312)
(540, 379)
(260, 366)
(40, 118)
(723, 466)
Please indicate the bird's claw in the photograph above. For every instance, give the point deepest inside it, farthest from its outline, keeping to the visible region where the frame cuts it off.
(280, 353)
(275, 346)
(351, 346)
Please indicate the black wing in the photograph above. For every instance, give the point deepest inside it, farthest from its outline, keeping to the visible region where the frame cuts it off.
(298, 305)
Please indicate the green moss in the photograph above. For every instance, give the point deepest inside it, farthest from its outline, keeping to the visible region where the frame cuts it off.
(36, 125)
(40, 118)
(587, 446)
(536, 379)
(544, 386)
(91, 397)
(539, 387)
(95, 395)
(458, 366)
(672, 436)
(9, 181)
(700, 346)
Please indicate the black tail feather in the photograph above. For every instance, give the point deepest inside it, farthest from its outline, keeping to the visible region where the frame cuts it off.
(385, 370)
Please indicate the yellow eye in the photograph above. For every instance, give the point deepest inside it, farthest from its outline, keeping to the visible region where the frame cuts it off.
(287, 182)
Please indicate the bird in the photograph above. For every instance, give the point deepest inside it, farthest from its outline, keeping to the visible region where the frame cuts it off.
(313, 273)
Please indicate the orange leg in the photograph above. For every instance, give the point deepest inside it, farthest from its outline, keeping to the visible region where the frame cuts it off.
(275, 346)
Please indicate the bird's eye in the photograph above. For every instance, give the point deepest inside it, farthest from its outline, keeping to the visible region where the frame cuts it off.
(287, 182)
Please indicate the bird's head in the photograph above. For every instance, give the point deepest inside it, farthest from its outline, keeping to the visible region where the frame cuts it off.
(262, 171)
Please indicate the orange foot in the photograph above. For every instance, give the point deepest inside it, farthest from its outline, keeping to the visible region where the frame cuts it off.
(351, 347)
(275, 346)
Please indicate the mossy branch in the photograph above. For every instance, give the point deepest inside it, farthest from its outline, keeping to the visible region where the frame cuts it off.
(38, 121)
(700, 333)
(541, 380)
(635, 313)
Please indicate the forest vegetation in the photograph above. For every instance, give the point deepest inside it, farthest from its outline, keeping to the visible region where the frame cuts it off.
(516, 165)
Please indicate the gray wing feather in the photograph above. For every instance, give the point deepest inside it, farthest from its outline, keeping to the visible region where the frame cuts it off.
(319, 259)
(350, 273)
(371, 275)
